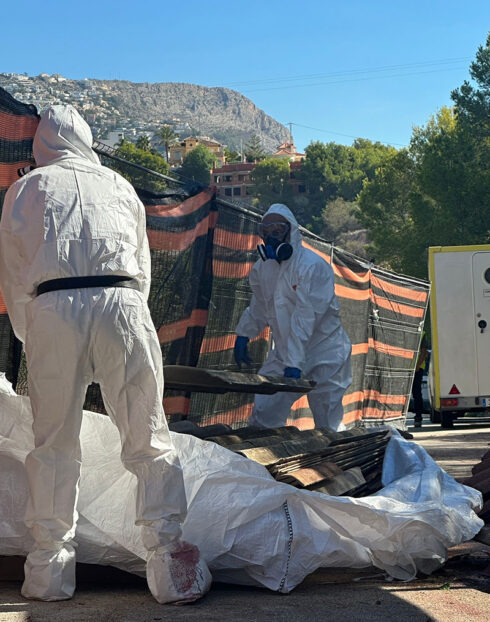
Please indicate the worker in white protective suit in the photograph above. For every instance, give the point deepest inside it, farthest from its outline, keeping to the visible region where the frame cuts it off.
(293, 293)
(75, 275)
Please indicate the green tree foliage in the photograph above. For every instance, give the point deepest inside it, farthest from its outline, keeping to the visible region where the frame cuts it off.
(433, 193)
(271, 181)
(141, 179)
(415, 199)
(197, 164)
(165, 136)
(232, 156)
(253, 150)
(368, 156)
(473, 101)
(436, 191)
(333, 171)
(342, 227)
(451, 172)
(143, 142)
(385, 210)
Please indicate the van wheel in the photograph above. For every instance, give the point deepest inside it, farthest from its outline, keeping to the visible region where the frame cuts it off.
(435, 416)
(447, 420)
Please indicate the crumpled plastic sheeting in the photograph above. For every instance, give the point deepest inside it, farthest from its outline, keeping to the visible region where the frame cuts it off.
(249, 528)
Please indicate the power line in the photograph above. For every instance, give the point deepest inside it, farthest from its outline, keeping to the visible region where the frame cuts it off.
(298, 86)
(347, 72)
(317, 129)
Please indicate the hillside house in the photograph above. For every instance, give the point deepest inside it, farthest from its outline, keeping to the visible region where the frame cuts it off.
(180, 149)
(288, 151)
(234, 180)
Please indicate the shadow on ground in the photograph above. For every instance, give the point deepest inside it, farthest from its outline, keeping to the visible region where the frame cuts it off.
(457, 591)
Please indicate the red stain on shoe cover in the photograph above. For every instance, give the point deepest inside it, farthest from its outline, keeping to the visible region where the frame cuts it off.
(183, 568)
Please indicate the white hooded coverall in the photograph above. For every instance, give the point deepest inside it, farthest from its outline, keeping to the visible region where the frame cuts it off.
(73, 217)
(296, 298)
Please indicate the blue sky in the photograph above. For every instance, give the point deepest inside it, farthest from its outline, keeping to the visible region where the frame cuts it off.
(337, 70)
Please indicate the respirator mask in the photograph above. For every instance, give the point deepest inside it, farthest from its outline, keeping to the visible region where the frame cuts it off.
(275, 246)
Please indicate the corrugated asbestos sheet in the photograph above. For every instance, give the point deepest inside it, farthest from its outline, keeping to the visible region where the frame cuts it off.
(336, 463)
(186, 378)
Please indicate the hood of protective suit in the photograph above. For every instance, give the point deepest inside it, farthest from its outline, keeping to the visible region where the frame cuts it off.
(295, 235)
(62, 134)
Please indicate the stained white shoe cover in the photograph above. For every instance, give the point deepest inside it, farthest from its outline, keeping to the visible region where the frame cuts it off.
(177, 575)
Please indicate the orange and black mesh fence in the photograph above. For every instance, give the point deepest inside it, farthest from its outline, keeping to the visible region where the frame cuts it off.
(18, 123)
(202, 251)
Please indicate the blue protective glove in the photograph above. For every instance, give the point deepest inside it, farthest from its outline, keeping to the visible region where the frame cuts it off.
(241, 353)
(292, 372)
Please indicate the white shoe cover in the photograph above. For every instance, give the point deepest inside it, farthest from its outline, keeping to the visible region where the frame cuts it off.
(50, 575)
(177, 576)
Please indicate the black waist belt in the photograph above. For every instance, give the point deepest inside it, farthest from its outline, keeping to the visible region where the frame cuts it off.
(80, 282)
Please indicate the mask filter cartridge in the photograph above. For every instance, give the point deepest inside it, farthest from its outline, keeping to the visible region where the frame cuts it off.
(275, 249)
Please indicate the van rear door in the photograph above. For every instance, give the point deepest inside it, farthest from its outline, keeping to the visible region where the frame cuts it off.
(481, 298)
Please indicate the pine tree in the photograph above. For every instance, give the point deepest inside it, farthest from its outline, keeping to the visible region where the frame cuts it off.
(253, 150)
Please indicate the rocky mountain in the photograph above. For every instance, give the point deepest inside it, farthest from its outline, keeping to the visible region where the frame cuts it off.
(136, 108)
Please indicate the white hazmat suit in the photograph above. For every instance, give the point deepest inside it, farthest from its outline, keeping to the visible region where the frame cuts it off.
(72, 217)
(296, 298)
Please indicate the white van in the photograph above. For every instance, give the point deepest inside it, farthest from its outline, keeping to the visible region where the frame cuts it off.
(459, 376)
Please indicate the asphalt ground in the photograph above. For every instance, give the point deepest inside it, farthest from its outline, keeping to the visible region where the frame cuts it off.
(455, 449)
(457, 592)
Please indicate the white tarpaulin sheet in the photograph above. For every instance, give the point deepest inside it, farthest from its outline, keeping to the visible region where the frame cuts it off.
(250, 529)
